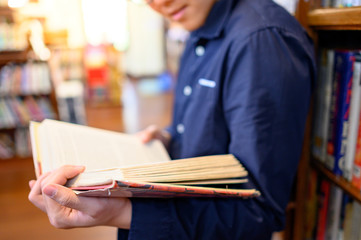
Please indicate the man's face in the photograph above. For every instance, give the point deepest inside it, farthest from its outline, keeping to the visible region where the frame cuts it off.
(191, 14)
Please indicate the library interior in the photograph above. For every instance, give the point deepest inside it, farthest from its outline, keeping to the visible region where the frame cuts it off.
(113, 65)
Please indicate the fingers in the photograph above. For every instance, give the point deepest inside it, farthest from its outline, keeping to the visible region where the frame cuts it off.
(63, 174)
(148, 133)
(59, 176)
(35, 195)
(153, 132)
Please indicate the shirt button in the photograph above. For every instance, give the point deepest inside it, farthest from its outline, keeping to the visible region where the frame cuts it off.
(180, 128)
(200, 51)
(187, 90)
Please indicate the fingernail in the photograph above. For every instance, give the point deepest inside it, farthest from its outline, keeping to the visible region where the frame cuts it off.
(31, 183)
(50, 191)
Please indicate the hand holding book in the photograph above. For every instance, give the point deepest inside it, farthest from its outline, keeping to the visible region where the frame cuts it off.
(67, 210)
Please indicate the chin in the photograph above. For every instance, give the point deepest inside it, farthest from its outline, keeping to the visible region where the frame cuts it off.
(191, 26)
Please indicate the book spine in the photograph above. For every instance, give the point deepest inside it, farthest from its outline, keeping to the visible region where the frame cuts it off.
(356, 172)
(343, 75)
(353, 119)
(356, 219)
(330, 156)
(347, 223)
(344, 218)
(324, 196)
(334, 213)
(6, 146)
(323, 104)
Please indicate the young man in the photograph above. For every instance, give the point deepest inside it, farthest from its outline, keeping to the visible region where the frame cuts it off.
(243, 88)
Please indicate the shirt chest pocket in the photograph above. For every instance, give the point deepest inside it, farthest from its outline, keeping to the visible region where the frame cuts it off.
(205, 89)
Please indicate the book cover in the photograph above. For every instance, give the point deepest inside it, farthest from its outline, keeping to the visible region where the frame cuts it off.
(160, 190)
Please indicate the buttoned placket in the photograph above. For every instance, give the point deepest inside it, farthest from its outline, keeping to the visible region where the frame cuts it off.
(187, 90)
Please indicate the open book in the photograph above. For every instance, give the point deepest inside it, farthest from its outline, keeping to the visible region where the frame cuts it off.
(120, 165)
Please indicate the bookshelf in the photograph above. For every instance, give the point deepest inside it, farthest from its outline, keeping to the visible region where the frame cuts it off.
(335, 19)
(330, 28)
(26, 93)
(13, 56)
(341, 182)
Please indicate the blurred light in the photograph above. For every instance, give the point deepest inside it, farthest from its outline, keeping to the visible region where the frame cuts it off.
(138, 1)
(17, 3)
(106, 22)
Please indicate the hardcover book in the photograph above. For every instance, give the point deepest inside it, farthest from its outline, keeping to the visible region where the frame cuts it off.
(120, 165)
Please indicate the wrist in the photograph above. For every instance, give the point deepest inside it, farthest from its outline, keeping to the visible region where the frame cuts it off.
(123, 215)
(165, 138)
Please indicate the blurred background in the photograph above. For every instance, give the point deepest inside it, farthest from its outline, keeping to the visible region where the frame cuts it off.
(110, 64)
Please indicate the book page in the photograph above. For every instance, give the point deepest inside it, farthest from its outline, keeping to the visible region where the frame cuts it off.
(33, 129)
(73, 144)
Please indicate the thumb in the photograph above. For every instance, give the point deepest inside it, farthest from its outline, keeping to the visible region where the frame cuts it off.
(62, 195)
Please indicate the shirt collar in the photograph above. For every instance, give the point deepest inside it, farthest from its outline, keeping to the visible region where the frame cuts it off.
(216, 20)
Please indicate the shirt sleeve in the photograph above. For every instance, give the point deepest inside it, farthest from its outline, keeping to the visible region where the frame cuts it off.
(265, 99)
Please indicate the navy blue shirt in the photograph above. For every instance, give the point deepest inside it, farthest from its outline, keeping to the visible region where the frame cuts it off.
(244, 87)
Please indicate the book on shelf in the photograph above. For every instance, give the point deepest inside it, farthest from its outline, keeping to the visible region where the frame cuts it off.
(6, 146)
(354, 116)
(323, 104)
(347, 221)
(337, 140)
(120, 165)
(356, 171)
(355, 221)
(324, 197)
(334, 213)
(25, 79)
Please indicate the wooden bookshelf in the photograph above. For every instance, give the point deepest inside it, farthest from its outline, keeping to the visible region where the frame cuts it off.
(335, 18)
(9, 132)
(340, 181)
(12, 56)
